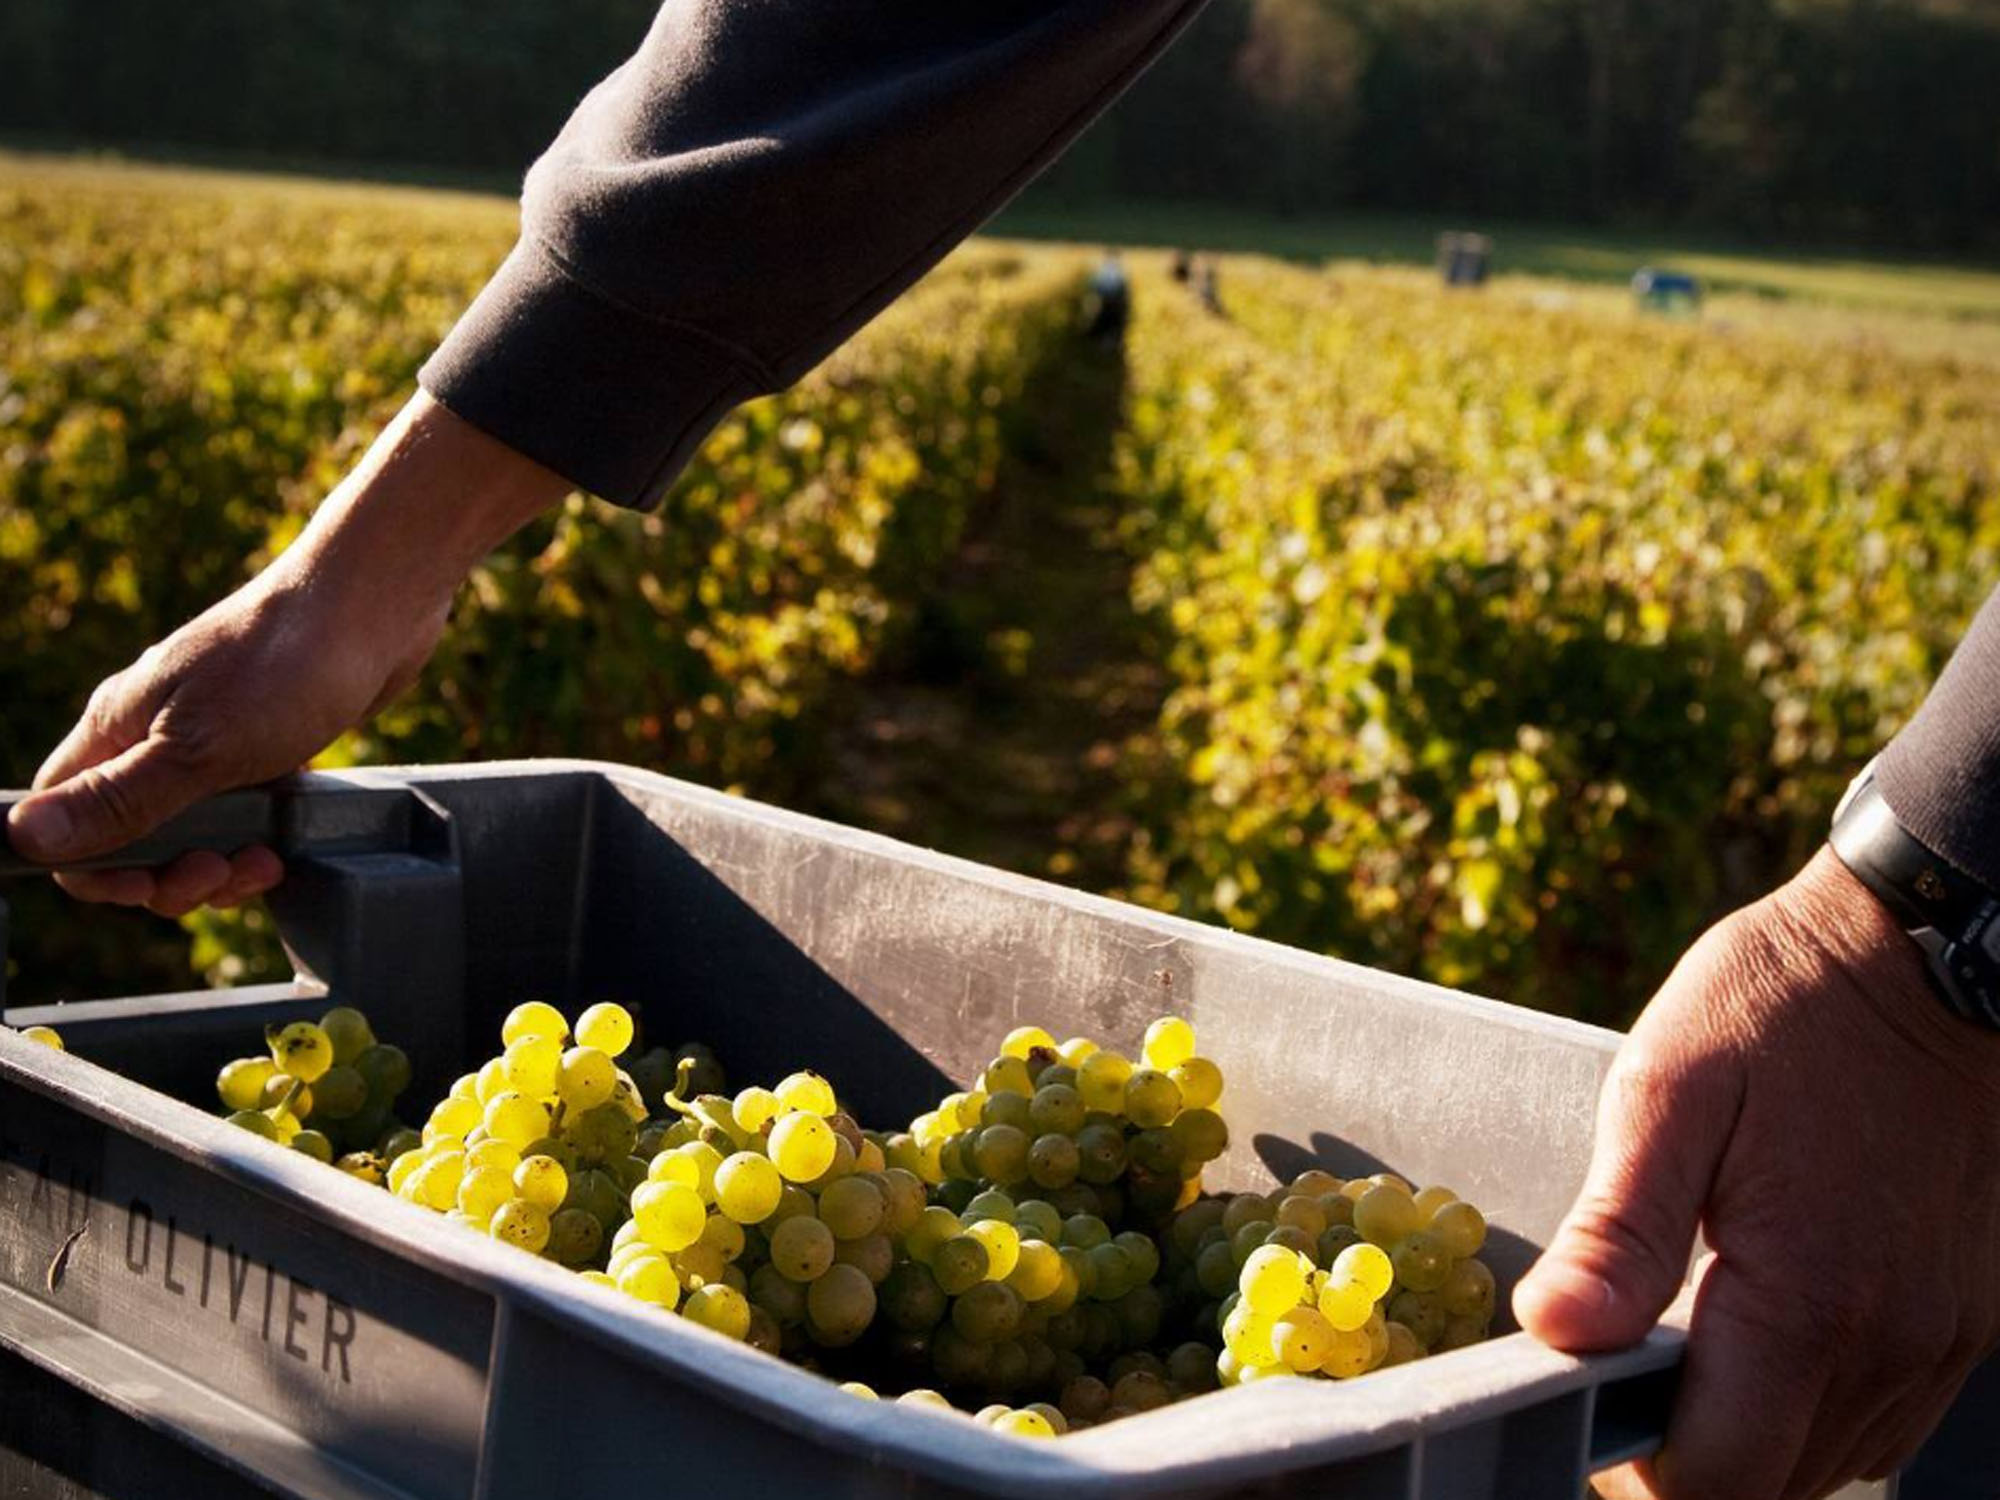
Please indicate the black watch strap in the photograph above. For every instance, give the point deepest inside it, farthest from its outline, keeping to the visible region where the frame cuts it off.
(1952, 918)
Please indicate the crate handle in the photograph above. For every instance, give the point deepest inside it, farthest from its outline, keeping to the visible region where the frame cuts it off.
(322, 814)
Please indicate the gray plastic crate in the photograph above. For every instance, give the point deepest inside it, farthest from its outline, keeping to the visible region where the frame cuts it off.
(187, 1311)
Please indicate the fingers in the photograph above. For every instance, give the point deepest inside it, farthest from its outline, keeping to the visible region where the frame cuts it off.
(1621, 1255)
(116, 718)
(104, 806)
(1755, 1375)
(194, 880)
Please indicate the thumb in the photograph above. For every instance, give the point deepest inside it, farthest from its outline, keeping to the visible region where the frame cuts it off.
(108, 805)
(1663, 1122)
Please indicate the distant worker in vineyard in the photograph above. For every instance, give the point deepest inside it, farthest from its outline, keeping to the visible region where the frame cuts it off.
(760, 180)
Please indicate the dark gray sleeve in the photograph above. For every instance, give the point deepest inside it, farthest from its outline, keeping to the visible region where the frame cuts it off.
(1941, 775)
(757, 182)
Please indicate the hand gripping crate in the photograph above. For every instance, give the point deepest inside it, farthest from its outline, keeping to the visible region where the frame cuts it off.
(186, 1311)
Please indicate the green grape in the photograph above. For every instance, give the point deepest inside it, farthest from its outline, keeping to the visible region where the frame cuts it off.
(1245, 1208)
(1191, 1368)
(747, 1187)
(349, 1031)
(1302, 1339)
(960, 1263)
(536, 1018)
(1403, 1346)
(725, 1236)
(1144, 1254)
(778, 1294)
(516, 1119)
(1100, 1081)
(1101, 1153)
(1350, 1353)
(1460, 1229)
(606, 1027)
(542, 1181)
(1248, 1240)
(650, 1279)
(1038, 1270)
(669, 1215)
(585, 1079)
(872, 1255)
(1421, 1263)
(1002, 1243)
(1201, 1135)
(756, 1108)
(1422, 1313)
(934, 1226)
(1000, 1153)
(1085, 1231)
(1155, 1151)
(301, 1050)
(1469, 1291)
(240, 1084)
(1346, 1305)
(1273, 1280)
(802, 1248)
(1004, 1109)
(520, 1224)
(282, 1091)
(991, 1204)
(903, 1201)
(856, 1388)
(843, 1164)
(340, 1093)
(1215, 1269)
(1115, 1275)
(1366, 1265)
(1298, 1212)
(1384, 1215)
(808, 1093)
(1200, 1083)
(801, 1146)
(1429, 1200)
(1085, 1399)
(1024, 1424)
(1169, 1043)
(1056, 1110)
(1007, 1075)
(852, 1208)
(533, 1066)
(1378, 1339)
(840, 1306)
(911, 1298)
(1023, 1040)
(988, 1313)
(1338, 1239)
(1292, 1239)
(314, 1144)
(719, 1307)
(482, 1190)
(1140, 1390)
(1036, 1220)
(923, 1396)
(1151, 1098)
(629, 1172)
(574, 1236)
(601, 1134)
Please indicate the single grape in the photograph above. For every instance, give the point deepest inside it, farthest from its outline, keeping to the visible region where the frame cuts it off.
(1007, 1075)
(1085, 1231)
(574, 1236)
(852, 1208)
(801, 1146)
(1246, 1208)
(1469, 1291)
(934, 1226)
(1215, 1270)
(960, 1263)
(802, 1248)
(340, 1094)
(585, 1079)
(1054, 1161)
(650, 1279)
(1366, 1265)
(606, 1027)
(874, 1256)
(1191, 1368)
(725, 1236)
(708, 1168)
(542, 1181)
(240, 1084)
(536, 1018)
(1024, 1424)
(1038, 1270)
(988, 1313)
(1338, 1239)
(1025, 1039)
(924, 1397)
(1429, 1200)
(488, 1084)
(1100, 1080)
(903, 1200)
(1001, 1154)
(482, 1190)
(1273, 1280)
(365, 1165)
(1114, 1272)
(516, 1119)
(520, 1224)
(1349, 1354)
(1422, 1313)
(755, 1108)
(1297, 1212)
(314, 1144)
(1302, 1339)
(1101, 1154)
(1055, 1109)
(1421, 1263)
(840, 1306)
(301, 1049)
(1460, 1229)
(1169, 1043)
(809, 1093)
(1002, 1243)
(1384, 1215)
(1346, 1305)
(719, 1307)
(1403, 1345)
(669, 1215)
(1085, 1399)
(911, 1298)
(1036, 1219)
(1200, 1083)
(1248, 1240)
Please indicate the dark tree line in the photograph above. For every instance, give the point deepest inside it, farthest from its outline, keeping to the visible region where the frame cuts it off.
(1848, 119)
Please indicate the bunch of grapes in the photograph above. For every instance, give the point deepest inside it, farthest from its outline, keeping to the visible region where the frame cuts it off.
(327, 1089)
(1338, 1278)
(537, 1148)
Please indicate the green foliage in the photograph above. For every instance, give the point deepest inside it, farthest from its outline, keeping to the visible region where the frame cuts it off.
(189, 367)
(1513, 643)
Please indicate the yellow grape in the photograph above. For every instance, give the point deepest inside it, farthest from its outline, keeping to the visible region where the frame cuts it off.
(536, 1018)
(1023, 1040)
(802, 1146)
(607, 1028)
(1169, 1043)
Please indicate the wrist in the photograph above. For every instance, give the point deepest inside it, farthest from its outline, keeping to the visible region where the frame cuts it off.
(431, 498)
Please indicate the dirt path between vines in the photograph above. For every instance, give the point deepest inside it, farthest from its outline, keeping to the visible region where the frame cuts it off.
(997, 732)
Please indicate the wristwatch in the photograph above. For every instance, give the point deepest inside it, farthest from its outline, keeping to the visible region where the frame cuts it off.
(1953, 919)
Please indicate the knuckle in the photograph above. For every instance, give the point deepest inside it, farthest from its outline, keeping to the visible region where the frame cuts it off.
(111, 798)
(1616, 1232)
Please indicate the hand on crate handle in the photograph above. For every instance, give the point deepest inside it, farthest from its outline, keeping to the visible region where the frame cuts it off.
(1797, 1092)
(340, 624)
